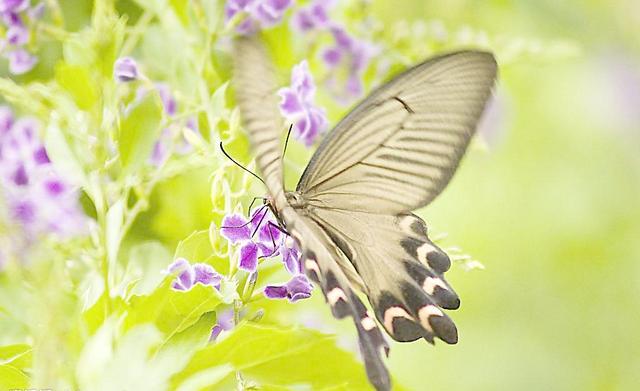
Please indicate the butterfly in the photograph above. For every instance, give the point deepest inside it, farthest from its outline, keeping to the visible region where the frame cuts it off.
(350, 213)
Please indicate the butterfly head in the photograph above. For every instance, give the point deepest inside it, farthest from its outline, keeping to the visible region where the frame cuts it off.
(295, 199)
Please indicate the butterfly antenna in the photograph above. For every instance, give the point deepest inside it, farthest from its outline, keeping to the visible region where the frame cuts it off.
(240, 165)
(286, 141)
(284, 152)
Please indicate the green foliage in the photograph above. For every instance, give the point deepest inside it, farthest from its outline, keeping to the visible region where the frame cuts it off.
(280, 357)
(139, 131)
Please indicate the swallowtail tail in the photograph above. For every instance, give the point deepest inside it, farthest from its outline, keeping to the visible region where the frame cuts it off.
(351, 211)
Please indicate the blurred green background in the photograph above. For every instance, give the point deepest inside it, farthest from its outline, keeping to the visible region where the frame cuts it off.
(551, 210)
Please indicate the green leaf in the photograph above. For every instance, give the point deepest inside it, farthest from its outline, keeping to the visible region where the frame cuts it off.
(203, 379)
(172, 311)
(62, 155)
(76, 80)
(78, 50)
(139, 132)
(181, 10)
(114, 221)
(112, 362)
(281, 357)
(18, 355)
(144, 267)
(197, 248)
(180, 347)
(12, 378)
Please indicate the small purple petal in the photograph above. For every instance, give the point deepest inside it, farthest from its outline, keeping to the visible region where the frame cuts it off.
(21, 61)
(290, 104)
(13, 5)
(6, 121)
(160, 151)
(225, 319)
(270, 12)
(299, 288)
(168, 100)
(17, 35)
(291, 258)
(11, 18)
(20, 177)
(332, 57)
(249, 257)
(260, 13)
(185, 279)
(24, 211)
(40, 156)
(125, 69)
(54, 187)
(313, 16)
(235, 228)
(268, 234)
(206, 274)
(275, 292)
(302, 81)
(178, 265)
(215, 332)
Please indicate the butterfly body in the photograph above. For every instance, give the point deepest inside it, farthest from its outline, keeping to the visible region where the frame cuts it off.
(350, 213)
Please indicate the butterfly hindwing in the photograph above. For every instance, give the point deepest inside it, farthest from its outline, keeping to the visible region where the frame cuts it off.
(402, 270)
(320, 257)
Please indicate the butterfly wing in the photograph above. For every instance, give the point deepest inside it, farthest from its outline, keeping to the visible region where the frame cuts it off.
(394, 153)
(255, 88)
(321, 257)
(408, 136)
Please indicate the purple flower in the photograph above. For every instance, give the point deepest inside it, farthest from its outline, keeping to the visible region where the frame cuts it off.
(188, 275)
(352, 54)
(160, 151)
(37, 198)
(224, 322)
(11, 19)
(168, 100)
(6, 122)
(257, 237)
(13, 5)
(260, 13)
(297, 105)
(125, 69)
(296, 289)
(17, 35)
(314, 16)
(21, 61)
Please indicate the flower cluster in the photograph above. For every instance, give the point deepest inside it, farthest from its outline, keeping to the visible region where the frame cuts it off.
(37, 198)
(16, 16)
(314, 16)
(261, 237)
(260, 14)
(297, 105)
(352, 54)
(347, 52)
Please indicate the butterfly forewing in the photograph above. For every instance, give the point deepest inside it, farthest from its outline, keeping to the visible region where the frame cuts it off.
(255, 86)
(408, 136)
